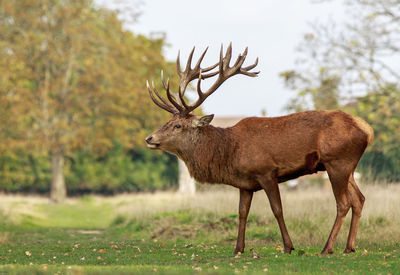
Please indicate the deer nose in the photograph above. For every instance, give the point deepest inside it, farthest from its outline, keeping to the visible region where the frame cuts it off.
(149, 138)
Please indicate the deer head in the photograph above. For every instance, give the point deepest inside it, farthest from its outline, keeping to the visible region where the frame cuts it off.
(181, 130)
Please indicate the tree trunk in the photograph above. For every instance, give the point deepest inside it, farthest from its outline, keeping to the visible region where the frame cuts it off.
(58, 190)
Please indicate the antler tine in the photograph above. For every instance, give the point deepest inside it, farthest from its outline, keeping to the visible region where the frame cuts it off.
(204, 76)
(200, 59)
(197, 67)
(221, 60)
(242, 57)
(228, 56)
(185, 76)
(170, 96)
(189, 62)
(199, 92)
(245, 51)
(182, 99)
(178, 65)
(166, 103)
(154, 90)
(246, 70)
(162, 105)
(251, 74)
(251, 66)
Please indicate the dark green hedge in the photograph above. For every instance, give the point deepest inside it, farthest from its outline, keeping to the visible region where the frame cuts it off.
(116, 172)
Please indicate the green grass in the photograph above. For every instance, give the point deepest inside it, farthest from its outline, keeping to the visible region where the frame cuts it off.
(123, 236)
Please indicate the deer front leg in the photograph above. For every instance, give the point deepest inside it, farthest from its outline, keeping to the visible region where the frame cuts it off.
(272, 189)
(244, 207)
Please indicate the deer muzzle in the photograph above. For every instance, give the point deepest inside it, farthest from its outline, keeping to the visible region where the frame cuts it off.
(151, 143)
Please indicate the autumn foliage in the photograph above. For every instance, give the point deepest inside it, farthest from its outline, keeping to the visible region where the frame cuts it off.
(72, 96)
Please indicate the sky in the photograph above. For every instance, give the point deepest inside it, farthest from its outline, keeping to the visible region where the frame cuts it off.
(271, 29)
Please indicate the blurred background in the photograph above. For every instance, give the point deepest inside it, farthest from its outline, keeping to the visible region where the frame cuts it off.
(74, 110)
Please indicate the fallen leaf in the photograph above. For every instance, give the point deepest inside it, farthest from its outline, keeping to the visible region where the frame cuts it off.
(197, 268)
(27, 253)
(255, 254)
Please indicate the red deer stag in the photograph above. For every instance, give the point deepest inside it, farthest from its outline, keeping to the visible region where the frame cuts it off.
(258, 153)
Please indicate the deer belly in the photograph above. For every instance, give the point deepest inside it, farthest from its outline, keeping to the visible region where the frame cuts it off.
(309, 165)
(247, 184)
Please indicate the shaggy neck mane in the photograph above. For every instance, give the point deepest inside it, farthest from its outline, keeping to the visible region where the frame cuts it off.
(209, 157)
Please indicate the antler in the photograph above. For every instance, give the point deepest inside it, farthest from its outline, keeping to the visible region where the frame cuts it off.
(179, 105)
(161, 102)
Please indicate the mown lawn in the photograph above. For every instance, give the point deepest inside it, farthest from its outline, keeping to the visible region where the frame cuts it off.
(168, 233)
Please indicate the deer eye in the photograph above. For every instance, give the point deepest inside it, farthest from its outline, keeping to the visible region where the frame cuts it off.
(177, 126)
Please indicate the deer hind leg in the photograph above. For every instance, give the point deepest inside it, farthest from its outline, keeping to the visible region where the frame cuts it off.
(272, 189)
(339, 177)
(244, 207)
(357, 202)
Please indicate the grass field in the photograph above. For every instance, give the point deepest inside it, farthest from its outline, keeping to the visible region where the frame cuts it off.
(170, 233)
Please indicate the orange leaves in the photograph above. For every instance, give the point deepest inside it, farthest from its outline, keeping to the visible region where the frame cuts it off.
(73, 80)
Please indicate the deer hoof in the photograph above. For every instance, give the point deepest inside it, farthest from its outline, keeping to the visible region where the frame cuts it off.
(289, 250)
(327, 251)
(238, 251)
(349, 250)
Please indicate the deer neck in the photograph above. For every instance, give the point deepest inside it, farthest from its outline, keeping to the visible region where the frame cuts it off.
(208, 158)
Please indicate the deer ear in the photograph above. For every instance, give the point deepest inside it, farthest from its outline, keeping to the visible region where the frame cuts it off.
(202, 121)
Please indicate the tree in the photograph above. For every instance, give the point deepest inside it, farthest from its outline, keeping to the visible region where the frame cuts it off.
(382, 109)
(360, 55)
(72, 78)
(354, 66)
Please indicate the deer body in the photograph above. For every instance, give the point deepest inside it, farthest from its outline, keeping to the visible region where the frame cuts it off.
(258, 153)
(284, 147)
